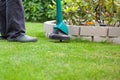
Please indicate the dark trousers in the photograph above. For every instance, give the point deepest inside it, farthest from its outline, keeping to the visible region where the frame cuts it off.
(12, 22)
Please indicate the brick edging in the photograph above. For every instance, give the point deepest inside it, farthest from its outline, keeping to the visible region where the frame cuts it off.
(97, 33)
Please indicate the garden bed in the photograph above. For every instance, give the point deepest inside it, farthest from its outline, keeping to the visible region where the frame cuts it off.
(92, 33)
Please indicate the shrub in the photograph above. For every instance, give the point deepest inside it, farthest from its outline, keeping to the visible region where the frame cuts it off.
(38, 10)
(80, 12)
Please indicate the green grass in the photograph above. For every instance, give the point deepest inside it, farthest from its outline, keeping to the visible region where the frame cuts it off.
(48, 60)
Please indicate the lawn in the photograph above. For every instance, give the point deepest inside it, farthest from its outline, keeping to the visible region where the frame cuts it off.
(48, 60)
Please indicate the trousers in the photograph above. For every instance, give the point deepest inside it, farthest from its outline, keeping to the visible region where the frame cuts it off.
(12, 21)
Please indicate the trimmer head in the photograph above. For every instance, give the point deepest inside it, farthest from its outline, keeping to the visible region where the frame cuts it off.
(59, 36)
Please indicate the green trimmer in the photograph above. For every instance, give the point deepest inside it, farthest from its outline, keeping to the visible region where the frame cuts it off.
(60, 29)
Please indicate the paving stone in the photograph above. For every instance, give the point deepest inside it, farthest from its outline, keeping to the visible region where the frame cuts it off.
(86, 30)
(89, 38)
(73, 30)
(114, 31)
(93, 30)
(116, 40)
(100, 39)
(100, 31)
(48, 28)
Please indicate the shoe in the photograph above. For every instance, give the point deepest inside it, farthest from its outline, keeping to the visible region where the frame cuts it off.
(3, 38)
(23, 38)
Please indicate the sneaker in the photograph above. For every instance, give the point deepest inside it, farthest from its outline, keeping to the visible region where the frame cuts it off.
(23, 38)
(3, 38)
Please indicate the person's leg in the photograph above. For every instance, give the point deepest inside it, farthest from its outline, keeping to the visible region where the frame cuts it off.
(15, 22)
(3, 19)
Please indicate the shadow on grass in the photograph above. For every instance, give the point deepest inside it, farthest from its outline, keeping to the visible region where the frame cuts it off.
(75, 40)
(58, 41)
(78, 40)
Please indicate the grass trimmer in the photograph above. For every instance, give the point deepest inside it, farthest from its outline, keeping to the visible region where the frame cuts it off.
(60, 29)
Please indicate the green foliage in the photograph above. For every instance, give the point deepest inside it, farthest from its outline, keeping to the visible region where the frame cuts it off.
(77, 12)
(110, 12)
(38, 10)
(80, 12)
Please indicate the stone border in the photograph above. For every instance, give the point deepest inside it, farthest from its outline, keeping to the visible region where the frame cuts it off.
(92, 33)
